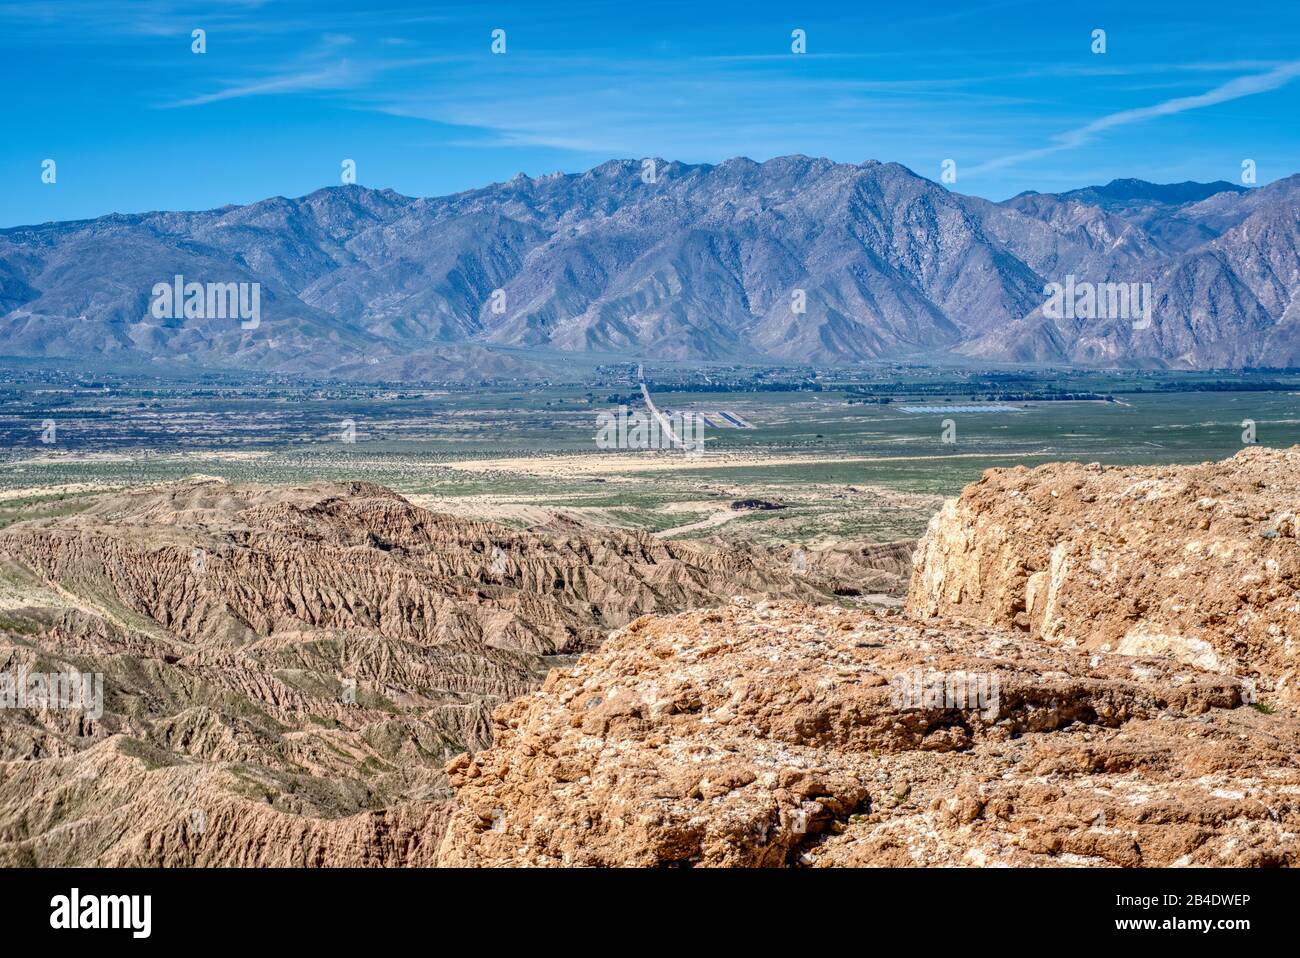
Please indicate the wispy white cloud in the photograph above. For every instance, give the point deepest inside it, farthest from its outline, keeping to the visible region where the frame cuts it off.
(1073, 139)
(1147, 67)
(653, 107)
(330, 78)
(317, 69)
(72, 21)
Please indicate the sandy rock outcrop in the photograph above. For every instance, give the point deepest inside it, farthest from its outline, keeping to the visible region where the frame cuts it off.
(780, 734)
(292, 667)
(1199, 563)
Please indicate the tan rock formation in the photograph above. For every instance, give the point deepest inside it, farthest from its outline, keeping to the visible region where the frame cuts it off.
(1197, 563)
(1135, 626)
(780, 734)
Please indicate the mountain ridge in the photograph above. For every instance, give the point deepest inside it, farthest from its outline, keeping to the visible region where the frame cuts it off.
(795, 259)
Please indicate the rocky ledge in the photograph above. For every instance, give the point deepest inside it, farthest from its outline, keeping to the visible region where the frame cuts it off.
(1096, 667)
(1198, 563)
(778, 734)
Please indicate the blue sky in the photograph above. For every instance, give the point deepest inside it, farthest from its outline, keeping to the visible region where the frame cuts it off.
(413, 93)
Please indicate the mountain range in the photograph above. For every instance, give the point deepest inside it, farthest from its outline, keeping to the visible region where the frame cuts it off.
(791, 260)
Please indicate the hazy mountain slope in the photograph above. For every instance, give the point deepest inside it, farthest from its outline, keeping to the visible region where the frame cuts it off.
(1131, 193)
(794, 259)
(1223, 302)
